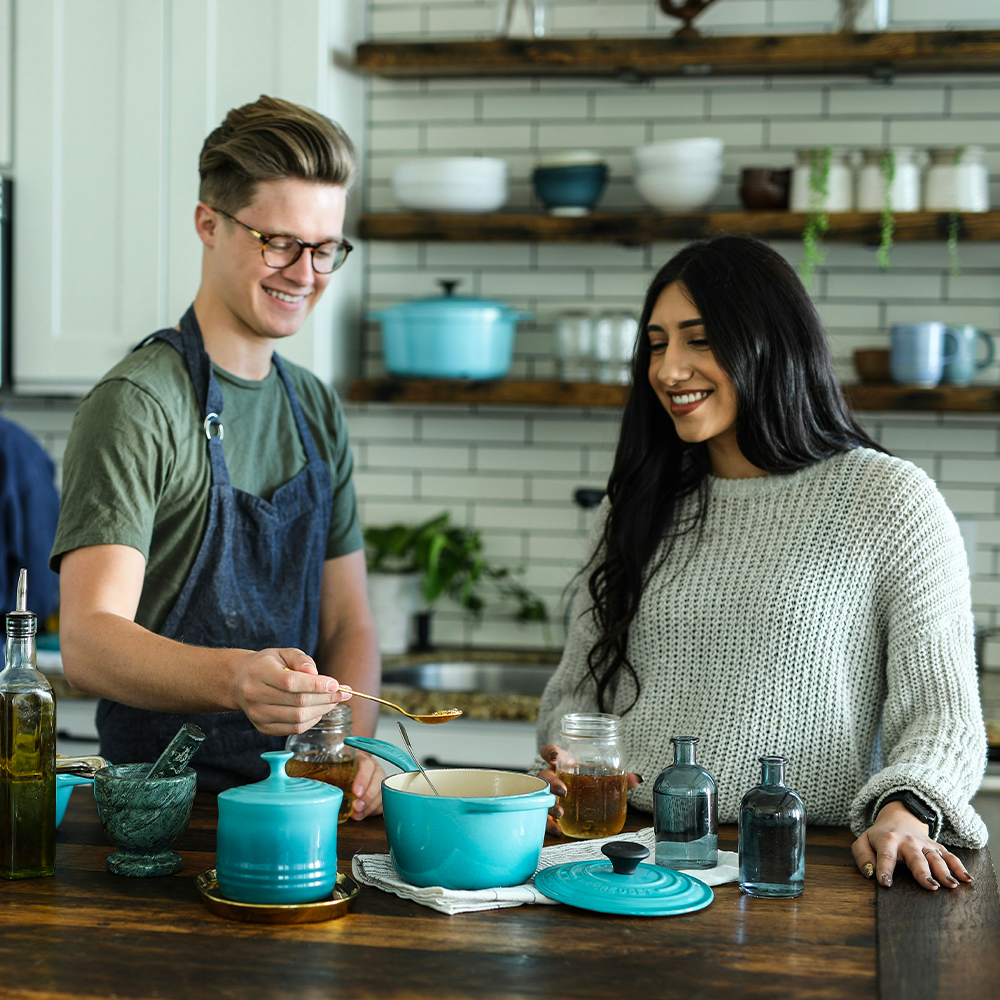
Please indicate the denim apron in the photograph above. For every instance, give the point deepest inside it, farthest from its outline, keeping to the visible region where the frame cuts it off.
(255, 584)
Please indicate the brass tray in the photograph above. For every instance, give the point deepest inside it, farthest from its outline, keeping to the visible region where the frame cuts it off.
(334, 906)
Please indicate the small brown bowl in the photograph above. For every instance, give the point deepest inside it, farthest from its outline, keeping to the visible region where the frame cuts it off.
(872, 365)
(765, 188)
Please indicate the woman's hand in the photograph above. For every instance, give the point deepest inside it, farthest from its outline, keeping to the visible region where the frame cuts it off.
(367, 788)
(559, 760)
(898, 834)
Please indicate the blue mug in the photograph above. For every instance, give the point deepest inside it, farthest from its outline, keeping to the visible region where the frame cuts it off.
(960, 369)
(919, 352)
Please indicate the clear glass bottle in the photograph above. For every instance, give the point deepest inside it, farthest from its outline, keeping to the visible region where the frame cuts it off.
(573, 347)
(27, 752)
(321, 754)
(686, 811)
(772, 835)
(595, 776)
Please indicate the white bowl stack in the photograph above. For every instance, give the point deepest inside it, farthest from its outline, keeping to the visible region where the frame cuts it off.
(469, 184)
(680, 175)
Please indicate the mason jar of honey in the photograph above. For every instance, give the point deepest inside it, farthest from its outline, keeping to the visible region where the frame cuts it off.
(593, 771)
(321, 754)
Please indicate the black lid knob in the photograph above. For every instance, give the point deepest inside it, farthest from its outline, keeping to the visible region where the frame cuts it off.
(449, 285)
(588, 498)
(625, 856)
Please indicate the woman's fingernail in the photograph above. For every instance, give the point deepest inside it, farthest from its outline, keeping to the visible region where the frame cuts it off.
(933, 881)
(868, 870)
(951, 880)
(886, 880)
(971, 878)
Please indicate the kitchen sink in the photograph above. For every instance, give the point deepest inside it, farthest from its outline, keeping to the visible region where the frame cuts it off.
(490, 678)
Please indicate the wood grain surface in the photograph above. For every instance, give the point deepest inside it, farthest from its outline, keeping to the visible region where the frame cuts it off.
(87, 934)
(883, 52)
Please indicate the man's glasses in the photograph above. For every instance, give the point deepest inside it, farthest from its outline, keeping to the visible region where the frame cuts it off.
(281, 251)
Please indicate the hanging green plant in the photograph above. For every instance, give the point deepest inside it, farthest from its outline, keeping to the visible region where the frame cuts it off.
(887, 163)
(817, 221)
(954, 224)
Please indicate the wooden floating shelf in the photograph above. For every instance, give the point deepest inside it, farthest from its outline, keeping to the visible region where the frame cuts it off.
(638, 228)
(955, 399)
(881, 54)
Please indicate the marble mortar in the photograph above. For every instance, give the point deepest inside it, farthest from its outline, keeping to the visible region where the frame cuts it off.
(143, 817)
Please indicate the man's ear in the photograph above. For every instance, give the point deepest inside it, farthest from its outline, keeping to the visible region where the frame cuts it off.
(206, 223)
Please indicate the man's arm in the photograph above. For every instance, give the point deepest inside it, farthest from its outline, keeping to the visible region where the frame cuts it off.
(106, 653)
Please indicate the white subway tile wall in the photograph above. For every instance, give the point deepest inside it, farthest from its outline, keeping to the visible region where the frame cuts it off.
(511, 472)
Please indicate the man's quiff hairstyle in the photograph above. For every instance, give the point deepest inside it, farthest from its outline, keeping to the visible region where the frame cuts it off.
(270, 140)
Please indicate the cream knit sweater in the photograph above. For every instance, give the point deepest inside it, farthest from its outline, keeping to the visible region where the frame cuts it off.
(824, 616)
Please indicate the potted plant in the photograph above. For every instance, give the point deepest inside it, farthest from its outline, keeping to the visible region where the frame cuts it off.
(410, 565)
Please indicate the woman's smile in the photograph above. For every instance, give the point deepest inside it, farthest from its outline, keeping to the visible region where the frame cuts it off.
(683, 403)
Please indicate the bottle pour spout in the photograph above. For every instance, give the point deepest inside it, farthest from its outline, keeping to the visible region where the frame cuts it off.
(22, 591)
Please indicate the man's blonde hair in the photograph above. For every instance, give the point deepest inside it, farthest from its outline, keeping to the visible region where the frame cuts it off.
(269, 140)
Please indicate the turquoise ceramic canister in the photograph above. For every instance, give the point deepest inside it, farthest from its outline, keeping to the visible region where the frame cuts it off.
(277, 839)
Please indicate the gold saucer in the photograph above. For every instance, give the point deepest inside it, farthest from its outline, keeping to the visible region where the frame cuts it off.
(334, 906)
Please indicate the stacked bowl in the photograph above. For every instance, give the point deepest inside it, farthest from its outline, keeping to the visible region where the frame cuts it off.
(570, 183)
(470, 184)
(680, 175)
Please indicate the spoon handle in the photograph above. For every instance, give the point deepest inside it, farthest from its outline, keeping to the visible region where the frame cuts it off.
(406, 741)
(371, 697)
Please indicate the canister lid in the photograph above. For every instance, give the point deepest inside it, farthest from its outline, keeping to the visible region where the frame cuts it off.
(622, 886)
(278, 789)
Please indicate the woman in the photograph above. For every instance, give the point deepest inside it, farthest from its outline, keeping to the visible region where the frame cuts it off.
(767, 578)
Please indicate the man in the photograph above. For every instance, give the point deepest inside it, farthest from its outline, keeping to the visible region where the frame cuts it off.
(211, 562)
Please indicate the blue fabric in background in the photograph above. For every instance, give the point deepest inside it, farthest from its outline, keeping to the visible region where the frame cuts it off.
(29, 513)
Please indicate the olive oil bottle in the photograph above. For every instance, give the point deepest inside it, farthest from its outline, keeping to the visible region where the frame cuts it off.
(27, 752)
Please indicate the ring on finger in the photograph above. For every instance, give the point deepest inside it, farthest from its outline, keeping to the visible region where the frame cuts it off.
(933, 850)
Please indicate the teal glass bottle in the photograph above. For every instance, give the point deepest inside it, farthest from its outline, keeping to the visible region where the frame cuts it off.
(772, 835)
(686, 811)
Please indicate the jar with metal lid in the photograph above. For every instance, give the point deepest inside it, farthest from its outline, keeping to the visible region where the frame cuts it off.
(831, 172)
(957, 180)
(320, 753)
(594, 773)
(889, 178)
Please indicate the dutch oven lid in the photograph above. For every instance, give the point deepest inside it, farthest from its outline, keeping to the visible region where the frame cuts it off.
(451, 306)
(624, 886)
(278, 789)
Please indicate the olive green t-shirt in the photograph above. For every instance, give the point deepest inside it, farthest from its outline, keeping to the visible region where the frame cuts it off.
(136, 470)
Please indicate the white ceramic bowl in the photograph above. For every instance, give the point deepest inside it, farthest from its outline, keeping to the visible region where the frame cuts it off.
(679, 189)
(675, 151)
(451, 184)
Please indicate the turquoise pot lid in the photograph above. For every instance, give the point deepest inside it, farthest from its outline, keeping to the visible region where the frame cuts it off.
(280, 789)
(642, 891)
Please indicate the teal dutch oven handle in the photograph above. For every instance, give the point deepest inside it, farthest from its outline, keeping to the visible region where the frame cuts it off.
(387, 751)
(519, 803)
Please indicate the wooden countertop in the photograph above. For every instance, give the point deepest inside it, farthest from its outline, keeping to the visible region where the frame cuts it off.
(87, 934)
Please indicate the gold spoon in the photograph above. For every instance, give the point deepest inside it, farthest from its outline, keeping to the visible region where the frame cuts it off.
(431, 720)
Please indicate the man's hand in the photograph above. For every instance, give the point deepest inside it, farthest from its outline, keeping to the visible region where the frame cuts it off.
(281, 692)
(896, 835)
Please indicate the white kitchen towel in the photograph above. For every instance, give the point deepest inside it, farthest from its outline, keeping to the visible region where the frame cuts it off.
(377, 870)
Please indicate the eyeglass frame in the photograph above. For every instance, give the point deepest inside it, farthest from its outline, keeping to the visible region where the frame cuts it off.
(303, 245)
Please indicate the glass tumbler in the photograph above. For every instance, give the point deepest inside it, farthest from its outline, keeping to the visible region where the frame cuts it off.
(574, 338)
(614, 342)
(595, 777)
(772, 835)
(686, 811)
(321, 754)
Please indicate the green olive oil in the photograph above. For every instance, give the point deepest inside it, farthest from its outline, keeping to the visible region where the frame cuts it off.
(27, 753)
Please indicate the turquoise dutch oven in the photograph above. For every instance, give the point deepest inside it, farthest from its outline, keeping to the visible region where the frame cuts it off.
(277, 839)
(485, 829)
(449, 336)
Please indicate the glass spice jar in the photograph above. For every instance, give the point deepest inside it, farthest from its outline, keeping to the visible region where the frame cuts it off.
(321, 754)
(594, 774)
(686, 811)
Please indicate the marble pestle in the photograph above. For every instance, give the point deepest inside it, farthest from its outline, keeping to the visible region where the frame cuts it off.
(178, 753)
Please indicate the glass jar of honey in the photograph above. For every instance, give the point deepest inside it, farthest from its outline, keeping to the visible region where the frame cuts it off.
(593, 771)
(320, 753)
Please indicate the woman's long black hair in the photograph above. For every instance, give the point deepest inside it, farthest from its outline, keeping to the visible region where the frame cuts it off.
(765, 334)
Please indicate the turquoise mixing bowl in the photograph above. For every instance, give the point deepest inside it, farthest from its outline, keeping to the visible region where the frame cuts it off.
(65, 783)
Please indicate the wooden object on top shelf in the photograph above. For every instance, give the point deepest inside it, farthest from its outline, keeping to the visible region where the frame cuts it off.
(650, 226)
(878, 53)
(524, 392)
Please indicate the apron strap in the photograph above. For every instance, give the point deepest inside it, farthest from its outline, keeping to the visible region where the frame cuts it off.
(308, 442)
(189, 343)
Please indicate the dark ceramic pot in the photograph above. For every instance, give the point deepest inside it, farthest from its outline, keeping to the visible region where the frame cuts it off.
(764, 188)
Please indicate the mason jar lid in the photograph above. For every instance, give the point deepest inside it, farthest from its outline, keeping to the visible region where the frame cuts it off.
(591, 725)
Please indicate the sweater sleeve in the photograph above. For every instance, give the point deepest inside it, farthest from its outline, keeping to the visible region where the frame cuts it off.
(933, 737)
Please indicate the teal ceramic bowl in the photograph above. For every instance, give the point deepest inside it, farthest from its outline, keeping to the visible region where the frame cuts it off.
(277, 839)
(65, 783)
(485, 830)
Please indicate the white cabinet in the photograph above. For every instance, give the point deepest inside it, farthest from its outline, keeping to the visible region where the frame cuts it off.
(113, 100)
